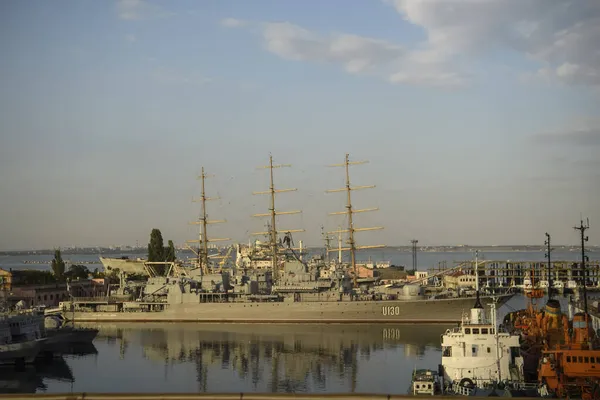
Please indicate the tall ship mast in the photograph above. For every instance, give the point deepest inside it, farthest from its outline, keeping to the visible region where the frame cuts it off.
(273, 213)
(350, 213)
(203, 221)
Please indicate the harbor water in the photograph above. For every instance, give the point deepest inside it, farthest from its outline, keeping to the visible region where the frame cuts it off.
(319, 358)
(396, 256)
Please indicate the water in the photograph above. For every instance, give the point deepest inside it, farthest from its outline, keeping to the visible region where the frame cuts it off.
(251, 358)
(314, 358)
(402, 257)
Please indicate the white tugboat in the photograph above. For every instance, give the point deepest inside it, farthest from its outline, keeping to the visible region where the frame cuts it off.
(478, 354)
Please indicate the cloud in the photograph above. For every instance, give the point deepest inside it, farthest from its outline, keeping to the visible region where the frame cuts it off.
(355, 54)
(559, 36)
(131, 38)
(139, 10)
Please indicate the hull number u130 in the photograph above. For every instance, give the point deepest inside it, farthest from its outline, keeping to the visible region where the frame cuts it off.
(390, 310)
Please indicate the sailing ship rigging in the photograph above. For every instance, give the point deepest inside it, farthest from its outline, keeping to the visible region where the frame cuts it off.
(202, 250)
(272, 231)
(349, 212)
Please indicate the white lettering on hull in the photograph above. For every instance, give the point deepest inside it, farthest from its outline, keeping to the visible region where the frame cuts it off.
(390, 310)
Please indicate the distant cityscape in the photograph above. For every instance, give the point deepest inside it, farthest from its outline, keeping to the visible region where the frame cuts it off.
(126, 249)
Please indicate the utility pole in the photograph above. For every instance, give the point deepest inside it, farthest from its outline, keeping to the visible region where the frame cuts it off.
(582, 228)
(548, 253)
(414, 254)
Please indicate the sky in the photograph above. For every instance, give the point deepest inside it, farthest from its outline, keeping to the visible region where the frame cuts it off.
(479, 119)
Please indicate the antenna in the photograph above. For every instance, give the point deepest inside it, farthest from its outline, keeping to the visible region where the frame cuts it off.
(477, 300)
(203, 221)
(350, 212)
(272, 230)
(582, 228)
(548, 255)
(327, 240)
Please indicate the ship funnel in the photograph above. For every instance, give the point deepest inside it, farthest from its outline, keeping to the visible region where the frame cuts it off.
(582, 329)
(554, 323)
(477, 316)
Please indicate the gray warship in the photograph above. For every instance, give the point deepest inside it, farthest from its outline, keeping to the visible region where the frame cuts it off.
(273, 283)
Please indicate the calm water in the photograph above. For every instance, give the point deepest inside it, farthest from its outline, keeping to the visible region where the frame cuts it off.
(241, 358)
(250, 358)
(424, 260)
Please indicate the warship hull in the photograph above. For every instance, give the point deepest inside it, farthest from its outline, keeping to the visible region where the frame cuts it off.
(391, 311)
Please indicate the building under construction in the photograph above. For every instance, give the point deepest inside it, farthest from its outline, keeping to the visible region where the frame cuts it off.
(515, 273)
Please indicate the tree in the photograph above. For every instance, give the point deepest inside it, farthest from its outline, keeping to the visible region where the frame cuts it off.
(170, 252)
(58, 265)
(77, 272)
(156, 249)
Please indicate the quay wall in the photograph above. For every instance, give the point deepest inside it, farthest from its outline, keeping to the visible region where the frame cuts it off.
(223, 396)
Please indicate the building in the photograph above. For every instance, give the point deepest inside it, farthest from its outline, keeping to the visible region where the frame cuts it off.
(5, 280)
(459, 280)
(15, 287)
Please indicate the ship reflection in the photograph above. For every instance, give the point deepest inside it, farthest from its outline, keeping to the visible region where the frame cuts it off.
(292, 358)
(33, 378)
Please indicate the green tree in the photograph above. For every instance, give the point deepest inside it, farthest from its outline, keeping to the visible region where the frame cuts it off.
(58, 265)
(156, 249)
(170, 252)
(77, 272)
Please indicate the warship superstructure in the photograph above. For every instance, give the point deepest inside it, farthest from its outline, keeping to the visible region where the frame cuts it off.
(293, 289)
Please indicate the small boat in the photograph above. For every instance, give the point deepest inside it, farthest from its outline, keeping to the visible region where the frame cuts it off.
(425, 382)
(21, 338)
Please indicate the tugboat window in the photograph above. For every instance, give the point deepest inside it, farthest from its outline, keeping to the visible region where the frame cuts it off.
(447, 351)
(489, 350)
(468, 331)
(484, 331)
(474, 350)
(568, 359)
(475, 331)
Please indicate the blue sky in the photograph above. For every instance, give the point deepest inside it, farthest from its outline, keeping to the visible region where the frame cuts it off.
(480, 119)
